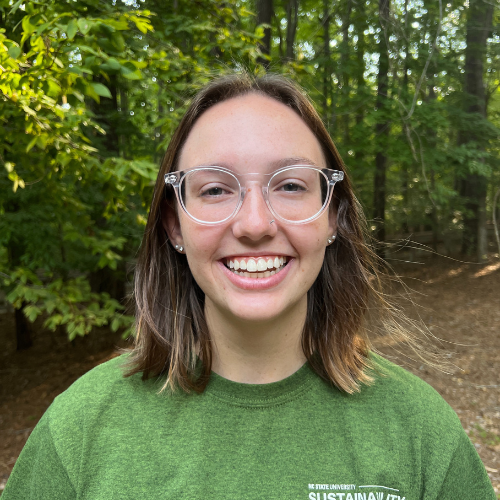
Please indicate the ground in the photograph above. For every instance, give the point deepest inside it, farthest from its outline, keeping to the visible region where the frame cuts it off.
(458, 302)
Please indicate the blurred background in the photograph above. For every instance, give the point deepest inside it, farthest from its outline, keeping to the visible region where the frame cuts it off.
(91, 92)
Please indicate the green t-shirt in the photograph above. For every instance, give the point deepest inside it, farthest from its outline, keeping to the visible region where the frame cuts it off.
(109, 437)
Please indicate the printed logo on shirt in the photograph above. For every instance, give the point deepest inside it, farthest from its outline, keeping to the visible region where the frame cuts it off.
(353, 492)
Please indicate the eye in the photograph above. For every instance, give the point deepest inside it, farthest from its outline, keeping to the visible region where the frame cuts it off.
(215, 191)
(291, 186)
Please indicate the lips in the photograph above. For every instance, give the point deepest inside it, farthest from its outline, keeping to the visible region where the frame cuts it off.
(259, 280)
(256, 267)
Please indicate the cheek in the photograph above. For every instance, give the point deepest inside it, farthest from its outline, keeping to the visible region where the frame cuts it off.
(201, 243)
(310, 239)
(199, 240)
(311, 251)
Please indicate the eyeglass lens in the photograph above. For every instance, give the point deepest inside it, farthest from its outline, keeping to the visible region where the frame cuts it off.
(295, 194)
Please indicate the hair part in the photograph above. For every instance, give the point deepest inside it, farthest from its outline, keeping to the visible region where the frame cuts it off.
(172, 337)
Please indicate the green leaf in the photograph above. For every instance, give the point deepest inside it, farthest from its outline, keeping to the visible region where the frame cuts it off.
(118, 41)
(101, 90)
(84, 26)
(80, 71)
(28, 28)
(16, 6)
(31, 312)
(89, 91)
(41, 141)
(143, 25)
(14, 52)
(111, 64)
(31, 143)
(72, 29)
(130, 72)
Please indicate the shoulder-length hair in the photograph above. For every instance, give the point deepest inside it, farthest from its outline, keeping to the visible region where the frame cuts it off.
(172, 337)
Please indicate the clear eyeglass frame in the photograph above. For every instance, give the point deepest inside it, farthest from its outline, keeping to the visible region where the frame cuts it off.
(175, 179)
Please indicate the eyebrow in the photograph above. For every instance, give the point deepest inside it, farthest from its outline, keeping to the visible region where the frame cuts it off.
(275, 165)
(297, 160)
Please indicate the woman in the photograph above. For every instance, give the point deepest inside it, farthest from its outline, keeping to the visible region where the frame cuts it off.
(251, 376)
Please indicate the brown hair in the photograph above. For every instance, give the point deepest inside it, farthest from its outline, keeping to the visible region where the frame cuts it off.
(170, 321)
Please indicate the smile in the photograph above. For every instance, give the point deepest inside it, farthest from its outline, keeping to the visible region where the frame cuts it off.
(256, 267)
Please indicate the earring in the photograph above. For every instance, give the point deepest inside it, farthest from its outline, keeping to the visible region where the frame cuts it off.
(179, 248)
(331, 239)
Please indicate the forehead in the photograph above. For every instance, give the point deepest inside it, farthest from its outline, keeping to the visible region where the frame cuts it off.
(252, 133)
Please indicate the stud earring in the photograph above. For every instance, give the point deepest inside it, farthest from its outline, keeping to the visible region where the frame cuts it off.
(331, 239)
(179, 248)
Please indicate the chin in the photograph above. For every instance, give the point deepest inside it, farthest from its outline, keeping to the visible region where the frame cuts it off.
(263, 310)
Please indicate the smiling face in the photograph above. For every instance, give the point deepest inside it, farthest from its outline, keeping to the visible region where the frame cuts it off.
(279, 261)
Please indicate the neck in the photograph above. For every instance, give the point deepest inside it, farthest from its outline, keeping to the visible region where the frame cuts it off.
(256, 352)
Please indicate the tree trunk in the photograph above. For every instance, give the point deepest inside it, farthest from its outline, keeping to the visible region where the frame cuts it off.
(158, 137)
(327, 72)
(23, 337)
(474, 186)
(264, 16)
(381, 128)
(360, 25)
(344, 54)
(280, 37)
(431, 140)
(125, 113)
(405, 177)
(292, 13)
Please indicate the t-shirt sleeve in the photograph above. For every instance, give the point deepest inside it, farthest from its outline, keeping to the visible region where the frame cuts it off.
(39, 473)
(466, 476)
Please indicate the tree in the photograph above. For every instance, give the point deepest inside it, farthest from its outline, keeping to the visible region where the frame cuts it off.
(77, 84)
(382, 125)
(474, 184)
(264, 16)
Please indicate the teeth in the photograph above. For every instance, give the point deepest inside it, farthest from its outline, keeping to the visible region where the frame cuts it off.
(256, 268)
(251, 266)
(261, 265)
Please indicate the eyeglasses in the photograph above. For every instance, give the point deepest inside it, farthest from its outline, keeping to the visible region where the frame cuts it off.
(296, 194)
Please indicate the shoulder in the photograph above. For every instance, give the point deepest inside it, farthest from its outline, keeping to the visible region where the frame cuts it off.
(412, 404)
(104, 390)
(405, 392)
(400, 382)
(103, 382)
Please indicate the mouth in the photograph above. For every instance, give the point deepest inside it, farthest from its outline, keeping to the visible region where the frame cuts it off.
(256, 267)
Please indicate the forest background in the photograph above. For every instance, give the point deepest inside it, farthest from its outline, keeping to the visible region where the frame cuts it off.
(91, 92)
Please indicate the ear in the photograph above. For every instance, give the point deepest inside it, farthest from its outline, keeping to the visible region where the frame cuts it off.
(170, 222)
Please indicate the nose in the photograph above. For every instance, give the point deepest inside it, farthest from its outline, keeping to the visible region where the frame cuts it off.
(254, 218)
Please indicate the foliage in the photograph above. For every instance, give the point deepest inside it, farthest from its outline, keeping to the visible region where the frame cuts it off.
(91, 92)
(83, 109)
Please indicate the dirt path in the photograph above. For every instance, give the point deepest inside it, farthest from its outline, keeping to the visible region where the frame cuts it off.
(459, 303)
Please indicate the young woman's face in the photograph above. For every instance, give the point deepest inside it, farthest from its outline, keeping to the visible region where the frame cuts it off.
(253, 134)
